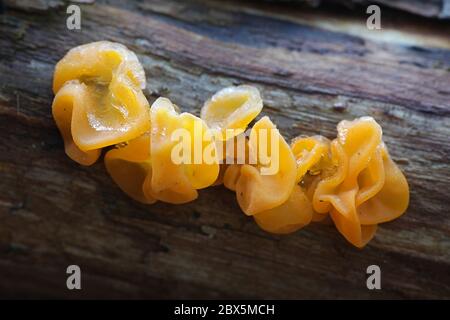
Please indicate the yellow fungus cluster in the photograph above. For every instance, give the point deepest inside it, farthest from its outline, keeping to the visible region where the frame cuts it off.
(352, 179)
(144, 169)
(99, 103)
(98, 99)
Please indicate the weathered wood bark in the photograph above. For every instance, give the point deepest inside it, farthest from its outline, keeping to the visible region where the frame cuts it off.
(439, 9)
(54, 213)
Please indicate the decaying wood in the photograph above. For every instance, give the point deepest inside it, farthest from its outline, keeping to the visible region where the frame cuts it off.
(34, 5)
(439, 9)
(430, 8)
(54, 213)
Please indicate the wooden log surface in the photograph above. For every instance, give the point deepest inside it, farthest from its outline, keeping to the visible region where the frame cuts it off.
(313, 68)
(438, 9)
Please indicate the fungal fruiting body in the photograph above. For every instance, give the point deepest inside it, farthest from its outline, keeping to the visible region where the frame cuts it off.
(254, 187)
(356, 188)
(98, 99)
(157, 153)
(151, 173)
(129, 165)
(230, 110)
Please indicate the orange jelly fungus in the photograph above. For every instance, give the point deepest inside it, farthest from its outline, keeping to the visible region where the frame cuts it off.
(98, 99)
(171, 182)
(297, 211)
(231, 109)
(144, 168)
(308, 151)
(350, 180)
(257, 192)
(292, 215)
(366, 188)
(130, 165)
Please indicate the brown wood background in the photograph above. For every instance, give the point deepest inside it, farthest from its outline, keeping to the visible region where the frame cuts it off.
(313, 67)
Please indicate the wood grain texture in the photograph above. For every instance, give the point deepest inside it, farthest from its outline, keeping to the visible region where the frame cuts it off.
(54, 213)
(439, 9)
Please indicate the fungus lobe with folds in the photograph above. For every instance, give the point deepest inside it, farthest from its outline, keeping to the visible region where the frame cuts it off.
(256, 191)
(98, 99)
